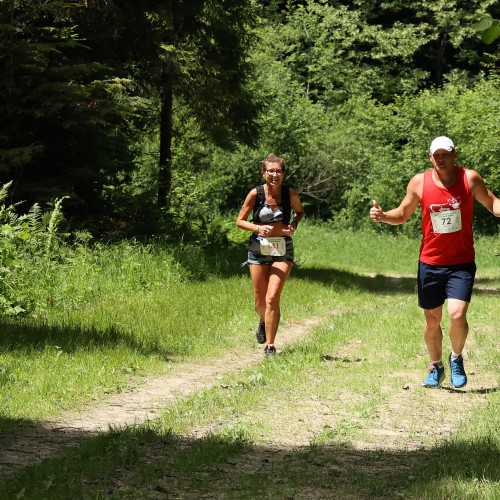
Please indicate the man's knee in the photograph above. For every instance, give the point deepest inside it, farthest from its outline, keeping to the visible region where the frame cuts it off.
(433, 318)
(458, 316)
(457, 310)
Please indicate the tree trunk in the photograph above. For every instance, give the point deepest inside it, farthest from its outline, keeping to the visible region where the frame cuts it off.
(165, 161)
(442, 42)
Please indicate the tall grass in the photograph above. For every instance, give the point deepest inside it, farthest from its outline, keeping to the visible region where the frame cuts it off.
(123, 311)
(108, 312)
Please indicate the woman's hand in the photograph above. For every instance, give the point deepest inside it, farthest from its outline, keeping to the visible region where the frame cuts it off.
(276, 229)
(265, 230)
(289, 230)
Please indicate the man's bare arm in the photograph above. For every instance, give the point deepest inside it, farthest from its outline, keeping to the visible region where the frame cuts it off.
(406, 208)
(482, 194)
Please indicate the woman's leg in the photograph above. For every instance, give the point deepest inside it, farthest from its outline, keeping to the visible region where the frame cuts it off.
(260, 279)
(278, 275)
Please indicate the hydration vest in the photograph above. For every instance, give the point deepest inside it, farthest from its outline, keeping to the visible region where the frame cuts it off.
(260, 201)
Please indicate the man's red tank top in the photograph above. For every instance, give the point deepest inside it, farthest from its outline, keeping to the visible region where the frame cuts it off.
(447, 237)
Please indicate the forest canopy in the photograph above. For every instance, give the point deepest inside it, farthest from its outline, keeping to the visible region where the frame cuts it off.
(151, 117)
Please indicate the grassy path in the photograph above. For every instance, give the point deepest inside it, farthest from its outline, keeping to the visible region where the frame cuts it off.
(339, 414)
(142, 402)
(296, 426)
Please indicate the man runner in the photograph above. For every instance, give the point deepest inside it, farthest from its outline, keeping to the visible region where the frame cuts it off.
(446, 267)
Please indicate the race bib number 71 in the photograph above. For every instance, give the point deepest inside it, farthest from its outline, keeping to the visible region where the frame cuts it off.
(276, 247)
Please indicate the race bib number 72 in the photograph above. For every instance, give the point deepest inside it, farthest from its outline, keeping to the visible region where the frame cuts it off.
(447, 221)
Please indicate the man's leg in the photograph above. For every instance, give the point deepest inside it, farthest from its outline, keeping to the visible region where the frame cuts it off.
(433, 334)
(459, 328)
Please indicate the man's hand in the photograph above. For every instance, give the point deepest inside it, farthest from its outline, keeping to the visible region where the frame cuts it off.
(376, 212)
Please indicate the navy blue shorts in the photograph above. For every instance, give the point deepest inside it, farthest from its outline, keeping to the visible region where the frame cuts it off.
(438, 283)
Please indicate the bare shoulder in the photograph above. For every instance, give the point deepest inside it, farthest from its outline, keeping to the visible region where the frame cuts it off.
(252, 194)
(294, 196)
(418, 178)
(416, 184)
(472, 175)
(250, 198)
(476, 183)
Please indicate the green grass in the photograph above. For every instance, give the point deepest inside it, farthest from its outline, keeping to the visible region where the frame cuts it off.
(336, 383)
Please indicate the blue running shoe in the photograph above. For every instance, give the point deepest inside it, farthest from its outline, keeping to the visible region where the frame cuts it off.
(261, 333)
(435, 377)
(458, 377)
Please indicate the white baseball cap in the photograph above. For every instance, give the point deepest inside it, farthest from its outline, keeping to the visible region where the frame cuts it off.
(441, 142)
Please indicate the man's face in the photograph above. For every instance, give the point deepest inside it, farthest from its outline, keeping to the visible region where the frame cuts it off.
(442, 159)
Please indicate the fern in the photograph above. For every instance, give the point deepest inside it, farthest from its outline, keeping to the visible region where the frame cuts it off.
(56, 217)
(4, 191)
(24, 238)
(35, 218)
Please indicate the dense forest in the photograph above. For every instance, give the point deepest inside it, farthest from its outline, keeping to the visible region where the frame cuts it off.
(146, 118)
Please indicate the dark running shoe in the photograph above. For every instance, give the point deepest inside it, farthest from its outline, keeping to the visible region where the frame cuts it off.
(269, 351)
(261, 332)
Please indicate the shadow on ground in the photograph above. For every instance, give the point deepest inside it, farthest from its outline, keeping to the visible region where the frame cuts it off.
(24, 333)
(142, 462)
(344, 279)
(229, 264)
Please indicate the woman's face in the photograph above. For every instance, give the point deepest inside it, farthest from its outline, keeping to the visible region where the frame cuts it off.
(273, 173)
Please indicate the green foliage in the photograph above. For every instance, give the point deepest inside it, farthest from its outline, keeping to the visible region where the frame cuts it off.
(489, 29)
(40, 269)
(24, 240)
(193, 212)
(67, 114)
(79, 273)
(336, 52)
(193, 62)
(376, 49)
(110, 103)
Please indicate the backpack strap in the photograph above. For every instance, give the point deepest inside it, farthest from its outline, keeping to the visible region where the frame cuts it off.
(260, 201)
(286, 204)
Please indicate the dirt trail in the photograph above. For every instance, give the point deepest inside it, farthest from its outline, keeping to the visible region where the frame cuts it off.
(409, 419)
(31, 444)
